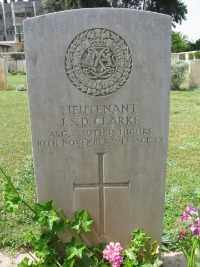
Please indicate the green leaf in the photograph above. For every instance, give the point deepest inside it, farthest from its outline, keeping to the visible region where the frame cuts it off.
(98, 249)
(74, 249)
(46, 215)
(68, 263)
(23, 263)
(60, 226)
(87, 260)
(44, 248)
(129, 252)
(128, 262)
(10, 197)
(81, 221)
(154, 248)
(42, 242)
(139, 239)
(105, 264)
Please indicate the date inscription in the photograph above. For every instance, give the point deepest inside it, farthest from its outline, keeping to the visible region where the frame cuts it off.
(100, 125)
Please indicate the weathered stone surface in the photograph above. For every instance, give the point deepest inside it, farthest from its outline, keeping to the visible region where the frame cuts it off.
(194, 73)
(98, 84)
(3, 79)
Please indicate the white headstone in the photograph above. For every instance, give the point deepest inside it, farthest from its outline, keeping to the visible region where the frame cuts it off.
(98, 85)
(194, 73)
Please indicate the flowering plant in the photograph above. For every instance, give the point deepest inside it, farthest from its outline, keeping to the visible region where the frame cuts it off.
(142, 252)
(189, 237)
(112, 254)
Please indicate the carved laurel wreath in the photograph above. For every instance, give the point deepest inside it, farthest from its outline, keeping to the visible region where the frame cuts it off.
(98, 62)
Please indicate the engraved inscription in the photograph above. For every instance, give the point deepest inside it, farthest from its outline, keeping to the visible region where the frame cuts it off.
(98, 62)
(101, 185)
(100, 126)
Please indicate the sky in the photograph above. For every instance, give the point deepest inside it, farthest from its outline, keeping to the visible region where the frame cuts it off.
(191, 26)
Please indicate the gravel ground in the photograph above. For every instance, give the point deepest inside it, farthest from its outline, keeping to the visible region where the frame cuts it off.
(170, 260)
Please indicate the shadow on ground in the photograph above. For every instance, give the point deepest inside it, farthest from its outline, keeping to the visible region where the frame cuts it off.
(174, 259)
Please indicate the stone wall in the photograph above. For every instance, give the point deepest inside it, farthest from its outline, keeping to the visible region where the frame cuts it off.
(16, 65)
(182, 55)
(13, 64)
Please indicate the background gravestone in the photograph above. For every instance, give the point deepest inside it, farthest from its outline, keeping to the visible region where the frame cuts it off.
(194, 73)
(3, 79)
(98, 84)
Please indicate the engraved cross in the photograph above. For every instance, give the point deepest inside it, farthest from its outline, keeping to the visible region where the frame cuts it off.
(101, 185)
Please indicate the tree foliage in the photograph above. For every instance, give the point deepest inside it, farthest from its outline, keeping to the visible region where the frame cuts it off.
(195, 46)
(180, 42)
(175, 8)
(50, 6)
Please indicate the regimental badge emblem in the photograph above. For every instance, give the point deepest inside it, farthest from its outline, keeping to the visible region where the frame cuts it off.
(98, 62)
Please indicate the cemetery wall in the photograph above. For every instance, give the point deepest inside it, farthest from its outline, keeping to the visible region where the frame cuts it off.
(184, 55)
(16, 65)
(13, 65)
